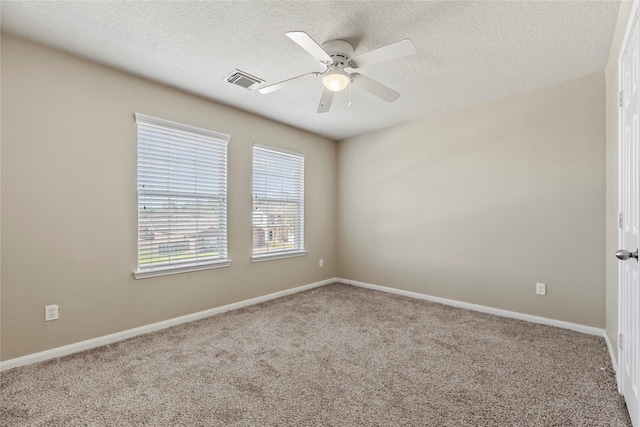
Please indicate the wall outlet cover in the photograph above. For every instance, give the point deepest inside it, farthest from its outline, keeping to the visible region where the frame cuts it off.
(50, 312)
(541, 288)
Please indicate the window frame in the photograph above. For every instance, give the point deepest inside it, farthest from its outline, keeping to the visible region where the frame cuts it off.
(218, 198)
(299, 223)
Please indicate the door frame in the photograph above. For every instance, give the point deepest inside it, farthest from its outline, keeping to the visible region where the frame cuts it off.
(633, 17)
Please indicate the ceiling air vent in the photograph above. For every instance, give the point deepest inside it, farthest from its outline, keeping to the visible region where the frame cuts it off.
(244, 80)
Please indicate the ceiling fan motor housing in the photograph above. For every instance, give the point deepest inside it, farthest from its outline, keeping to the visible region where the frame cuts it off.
(340, 51)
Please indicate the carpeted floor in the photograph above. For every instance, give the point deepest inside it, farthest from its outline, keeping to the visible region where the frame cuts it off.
(332, 356)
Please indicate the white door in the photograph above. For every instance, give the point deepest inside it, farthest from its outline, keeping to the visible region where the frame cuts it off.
(629, 287)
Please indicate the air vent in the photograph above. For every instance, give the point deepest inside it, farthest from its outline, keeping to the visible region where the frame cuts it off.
(244, 80)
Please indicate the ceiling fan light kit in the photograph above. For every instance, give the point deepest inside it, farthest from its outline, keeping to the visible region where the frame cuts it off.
(337, 58)
(336, 79)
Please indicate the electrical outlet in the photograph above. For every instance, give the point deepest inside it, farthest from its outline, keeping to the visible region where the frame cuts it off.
(50, 312)
(321, 263)
(541, 289)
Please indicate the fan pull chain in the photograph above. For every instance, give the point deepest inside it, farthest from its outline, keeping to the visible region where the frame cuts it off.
(349, 104)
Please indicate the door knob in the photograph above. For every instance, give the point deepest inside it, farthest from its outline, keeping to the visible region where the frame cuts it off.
(625, 255)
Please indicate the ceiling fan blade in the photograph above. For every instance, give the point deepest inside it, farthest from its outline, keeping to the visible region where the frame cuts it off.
(276, 86)
(325, 100)
(375, 88)
(307, 43)
(391, 51)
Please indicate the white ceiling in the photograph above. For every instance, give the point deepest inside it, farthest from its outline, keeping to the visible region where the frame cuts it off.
(467, 52)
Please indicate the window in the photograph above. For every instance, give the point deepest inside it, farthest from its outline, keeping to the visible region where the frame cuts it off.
(278, 203)
(182, 198)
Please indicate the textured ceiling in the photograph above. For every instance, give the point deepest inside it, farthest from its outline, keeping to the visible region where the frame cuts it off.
(467, 52)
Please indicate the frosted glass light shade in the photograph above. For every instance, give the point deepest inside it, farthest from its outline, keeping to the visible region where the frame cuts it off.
(336, 80)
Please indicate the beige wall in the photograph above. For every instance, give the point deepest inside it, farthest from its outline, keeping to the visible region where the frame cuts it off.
(611, 76)
(479, 204)
(69, 202)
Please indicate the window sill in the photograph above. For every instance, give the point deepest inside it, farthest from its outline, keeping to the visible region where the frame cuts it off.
(183, 269)
(269, 257)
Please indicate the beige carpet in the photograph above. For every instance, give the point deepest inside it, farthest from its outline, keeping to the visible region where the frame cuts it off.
(336, 356)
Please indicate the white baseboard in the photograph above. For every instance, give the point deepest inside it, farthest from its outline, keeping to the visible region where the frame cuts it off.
(484, 309)
(611, 353)
(119, 336)
(614, 362)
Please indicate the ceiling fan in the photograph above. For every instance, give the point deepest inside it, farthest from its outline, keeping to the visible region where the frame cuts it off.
(337, 58)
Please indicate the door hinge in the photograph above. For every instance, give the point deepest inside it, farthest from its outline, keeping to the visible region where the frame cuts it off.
(620, 346)
(621, 98)
(620, 220)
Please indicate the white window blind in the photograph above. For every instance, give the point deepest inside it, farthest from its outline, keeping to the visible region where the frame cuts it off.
(182, 197)
(278, 203)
